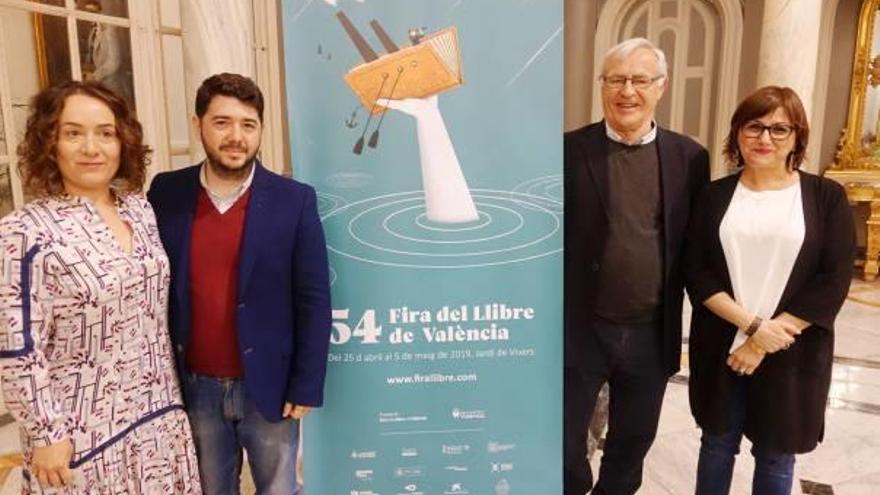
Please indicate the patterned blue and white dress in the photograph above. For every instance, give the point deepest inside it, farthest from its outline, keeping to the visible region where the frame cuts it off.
(84, 348)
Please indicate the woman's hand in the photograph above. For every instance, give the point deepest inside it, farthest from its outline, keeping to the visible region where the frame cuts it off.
(746, 358)
(774, 334)
(51, 464)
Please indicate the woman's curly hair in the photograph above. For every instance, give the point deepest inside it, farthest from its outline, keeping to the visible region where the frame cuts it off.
(37, 157)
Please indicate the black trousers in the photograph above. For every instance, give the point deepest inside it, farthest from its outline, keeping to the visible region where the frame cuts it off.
(629, 357)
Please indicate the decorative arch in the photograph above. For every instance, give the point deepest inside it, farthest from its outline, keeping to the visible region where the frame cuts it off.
(612, 26)
(693, 92)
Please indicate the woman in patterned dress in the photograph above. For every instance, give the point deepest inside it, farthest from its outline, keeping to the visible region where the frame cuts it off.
(86, 362)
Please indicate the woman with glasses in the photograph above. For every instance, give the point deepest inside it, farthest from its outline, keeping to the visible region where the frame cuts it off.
(85, 355)
(768, 264)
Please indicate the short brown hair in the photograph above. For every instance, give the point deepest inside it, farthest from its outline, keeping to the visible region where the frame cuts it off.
(760, 103)
(37, 153)
(236, 86)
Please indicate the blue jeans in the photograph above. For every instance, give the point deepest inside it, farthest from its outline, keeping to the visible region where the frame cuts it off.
(774, 471)
(224, 421)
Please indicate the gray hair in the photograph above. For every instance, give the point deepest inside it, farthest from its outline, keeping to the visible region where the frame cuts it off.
(627, 47)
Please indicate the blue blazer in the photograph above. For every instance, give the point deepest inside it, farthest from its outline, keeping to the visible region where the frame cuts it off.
(283, 313)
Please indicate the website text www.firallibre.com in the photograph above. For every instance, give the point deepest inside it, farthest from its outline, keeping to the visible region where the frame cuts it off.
(417, 378)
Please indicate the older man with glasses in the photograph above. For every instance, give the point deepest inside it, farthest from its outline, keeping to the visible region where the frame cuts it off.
(629, 185)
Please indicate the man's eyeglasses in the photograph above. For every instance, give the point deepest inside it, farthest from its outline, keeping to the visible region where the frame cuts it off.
(778, 132)
(638, 82)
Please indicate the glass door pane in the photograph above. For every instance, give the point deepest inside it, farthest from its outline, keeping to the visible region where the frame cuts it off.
(51, 48)
(105, 56)
(116, 8)
(6, 200)
(37, 55)
(170, 13)
(6, 204)
(175, 100)
(3, 141)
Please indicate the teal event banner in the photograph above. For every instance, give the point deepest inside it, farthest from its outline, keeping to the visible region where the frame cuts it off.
(432, 131)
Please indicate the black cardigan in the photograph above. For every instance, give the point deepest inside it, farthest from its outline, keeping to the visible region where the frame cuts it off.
(684, 172)
(788, 391)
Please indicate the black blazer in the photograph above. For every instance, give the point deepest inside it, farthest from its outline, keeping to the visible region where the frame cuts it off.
(787, 393)
(684, 171)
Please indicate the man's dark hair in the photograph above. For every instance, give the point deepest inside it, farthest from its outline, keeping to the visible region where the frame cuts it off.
(236, 86)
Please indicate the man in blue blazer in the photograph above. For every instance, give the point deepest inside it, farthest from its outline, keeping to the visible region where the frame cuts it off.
(250, 304)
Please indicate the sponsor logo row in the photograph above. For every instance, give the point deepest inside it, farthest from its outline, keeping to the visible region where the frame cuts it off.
(419, 471)
(502, 487)
(446, 449)
(455, 413)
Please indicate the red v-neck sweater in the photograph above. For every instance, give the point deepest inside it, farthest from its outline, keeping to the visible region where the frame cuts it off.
(213, 274)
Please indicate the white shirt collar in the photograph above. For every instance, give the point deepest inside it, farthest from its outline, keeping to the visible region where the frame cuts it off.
(647, 138)
(224, 203)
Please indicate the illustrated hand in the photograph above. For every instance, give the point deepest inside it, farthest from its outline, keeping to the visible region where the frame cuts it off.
(746, 358)
(295, 411)
(774, 334)
(411, 106)
(51, 464)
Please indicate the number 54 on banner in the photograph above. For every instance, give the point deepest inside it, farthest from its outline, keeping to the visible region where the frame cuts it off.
(365, 329)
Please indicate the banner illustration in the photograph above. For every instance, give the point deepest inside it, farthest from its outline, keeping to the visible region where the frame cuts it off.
(432, 132)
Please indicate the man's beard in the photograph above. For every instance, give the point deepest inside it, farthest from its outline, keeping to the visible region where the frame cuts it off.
(229, 172)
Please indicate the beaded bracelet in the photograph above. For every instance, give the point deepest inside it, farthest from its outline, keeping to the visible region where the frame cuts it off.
(753, 326)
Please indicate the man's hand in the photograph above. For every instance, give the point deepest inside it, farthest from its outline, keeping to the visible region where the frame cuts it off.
(51, 464)
(295, 411)
(746, 358)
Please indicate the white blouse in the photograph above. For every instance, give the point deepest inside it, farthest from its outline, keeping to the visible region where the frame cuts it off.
(761, 234)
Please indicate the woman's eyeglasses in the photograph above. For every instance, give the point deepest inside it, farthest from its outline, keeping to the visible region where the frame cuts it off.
(778, 132)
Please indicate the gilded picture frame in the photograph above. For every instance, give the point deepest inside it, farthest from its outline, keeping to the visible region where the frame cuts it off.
(858, 152)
